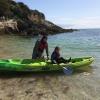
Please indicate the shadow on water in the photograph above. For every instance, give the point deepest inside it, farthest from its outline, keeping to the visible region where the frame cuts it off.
(88, 69)
(14, 74)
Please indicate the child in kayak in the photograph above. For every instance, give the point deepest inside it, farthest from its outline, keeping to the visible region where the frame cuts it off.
(56, 58)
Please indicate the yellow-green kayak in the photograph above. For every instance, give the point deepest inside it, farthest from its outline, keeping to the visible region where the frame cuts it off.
(42, 65)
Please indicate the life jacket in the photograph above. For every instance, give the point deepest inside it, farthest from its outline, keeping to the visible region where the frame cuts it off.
(55, 56)
(42, 46)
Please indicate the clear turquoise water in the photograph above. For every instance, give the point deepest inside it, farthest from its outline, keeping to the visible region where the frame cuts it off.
(82, 86)
(76, 44)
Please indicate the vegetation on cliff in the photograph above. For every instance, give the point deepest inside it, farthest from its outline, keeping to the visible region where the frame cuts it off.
(29, 22)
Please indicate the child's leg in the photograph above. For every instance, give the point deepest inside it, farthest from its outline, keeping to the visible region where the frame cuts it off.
(61, 60)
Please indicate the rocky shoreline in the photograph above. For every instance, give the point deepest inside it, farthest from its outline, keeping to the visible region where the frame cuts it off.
(19, 19)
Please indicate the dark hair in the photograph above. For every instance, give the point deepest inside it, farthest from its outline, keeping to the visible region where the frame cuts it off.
(56, 48)
(44, 37)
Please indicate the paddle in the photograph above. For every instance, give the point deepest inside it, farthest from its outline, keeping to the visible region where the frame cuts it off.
(68, 70)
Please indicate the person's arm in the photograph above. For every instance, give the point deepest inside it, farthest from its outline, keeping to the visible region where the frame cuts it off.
(36, 46)
(53, 58)
(47, 51)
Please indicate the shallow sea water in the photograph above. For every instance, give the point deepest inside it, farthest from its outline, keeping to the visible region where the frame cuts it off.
(82, 85)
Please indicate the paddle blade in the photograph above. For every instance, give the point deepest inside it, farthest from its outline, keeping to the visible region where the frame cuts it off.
(68, 70)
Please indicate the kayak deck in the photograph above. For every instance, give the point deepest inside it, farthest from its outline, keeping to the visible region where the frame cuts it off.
(42, 65)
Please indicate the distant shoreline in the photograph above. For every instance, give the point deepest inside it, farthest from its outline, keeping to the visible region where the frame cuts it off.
(6, 32)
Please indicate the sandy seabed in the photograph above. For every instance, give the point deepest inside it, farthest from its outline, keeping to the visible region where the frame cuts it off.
(56, 86)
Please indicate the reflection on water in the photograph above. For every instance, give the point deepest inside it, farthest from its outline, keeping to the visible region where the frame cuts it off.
(82, 85)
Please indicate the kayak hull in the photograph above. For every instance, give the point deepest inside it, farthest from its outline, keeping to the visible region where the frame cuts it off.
(41, 65)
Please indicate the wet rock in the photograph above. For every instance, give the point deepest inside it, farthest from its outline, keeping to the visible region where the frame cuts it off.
(29, 91)
(66, 88)
(40, 94)
(10, 95)
(32, 81)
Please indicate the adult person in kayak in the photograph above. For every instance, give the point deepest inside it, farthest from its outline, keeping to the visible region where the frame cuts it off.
(39, 48)
(35, 49)
(56, 58)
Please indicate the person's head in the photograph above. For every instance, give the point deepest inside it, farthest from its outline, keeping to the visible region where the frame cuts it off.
(40, 37)
(57, 49)
(44, 39)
